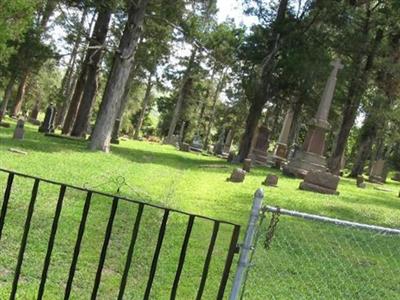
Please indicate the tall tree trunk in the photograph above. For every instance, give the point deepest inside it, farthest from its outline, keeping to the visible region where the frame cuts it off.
(101, 23)
(181, 96)
(251, 126)
(69, 79)
(35, 110)
(7, 96)
(89, 93)
(214, 106)
(118, 77)
(356, 90)
(143, 109)
(20, 94)
(263, 82)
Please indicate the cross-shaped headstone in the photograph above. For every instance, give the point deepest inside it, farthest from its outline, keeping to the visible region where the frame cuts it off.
(337, 65)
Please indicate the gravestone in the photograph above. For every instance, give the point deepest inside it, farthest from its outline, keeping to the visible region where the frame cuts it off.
(311, 156)
(49, 118)
(197, 144)
(271, 180)
(19, 130)
(377, 172)
(115, 132)
(320, 182)
(237, 175)
(185, 147)
(247, 164)
(260, 145)
(360, 182)
(396, 177)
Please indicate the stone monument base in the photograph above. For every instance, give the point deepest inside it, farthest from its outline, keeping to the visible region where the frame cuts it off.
(304, 162)
(376, 179)
(320, 182)
(259, 158)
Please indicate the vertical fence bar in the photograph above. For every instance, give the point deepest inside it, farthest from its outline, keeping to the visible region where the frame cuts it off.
(105, 246)
(7, 193)
(78, 245)
(229, 260)
(208, 261)
(24, 238)
(156, 255)
(135, 231)
(182, 257)
(244, 259)
(51, 241)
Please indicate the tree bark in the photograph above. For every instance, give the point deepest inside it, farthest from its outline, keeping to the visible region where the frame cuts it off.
(89, 93)
(69, 80)
(83, 76)
(20, 94)
(145, 103)
(262, 85)
(118, 77)
(7, 97)
(367, 137)
(251, 126)
(356, 90)
(35, 110)
(181, 96)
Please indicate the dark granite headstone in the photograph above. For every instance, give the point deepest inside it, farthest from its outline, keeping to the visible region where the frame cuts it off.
(49, 118)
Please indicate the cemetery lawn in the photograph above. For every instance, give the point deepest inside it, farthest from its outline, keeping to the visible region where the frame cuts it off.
(191, 182)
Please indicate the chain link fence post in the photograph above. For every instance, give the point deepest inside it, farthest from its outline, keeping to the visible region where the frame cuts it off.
(246, 248)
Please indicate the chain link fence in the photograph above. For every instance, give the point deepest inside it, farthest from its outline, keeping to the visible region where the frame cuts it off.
(302, 256)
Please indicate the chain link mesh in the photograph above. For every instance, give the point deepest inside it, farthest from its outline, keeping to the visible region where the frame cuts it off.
(306, 259)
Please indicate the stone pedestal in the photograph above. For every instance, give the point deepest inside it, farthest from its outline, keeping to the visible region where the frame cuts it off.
(377, 172)
(260, 145)
(320, 182)
(19, 130)
(303, 162)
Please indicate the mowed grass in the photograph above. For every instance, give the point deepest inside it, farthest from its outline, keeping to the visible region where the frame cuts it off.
(160, 174)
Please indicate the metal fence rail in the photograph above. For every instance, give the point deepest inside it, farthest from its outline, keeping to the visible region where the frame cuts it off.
(116, 199)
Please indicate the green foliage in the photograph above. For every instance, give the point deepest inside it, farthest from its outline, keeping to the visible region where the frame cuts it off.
(15, 18)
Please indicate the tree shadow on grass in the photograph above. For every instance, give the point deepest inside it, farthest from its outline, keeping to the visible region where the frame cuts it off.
(176, 160)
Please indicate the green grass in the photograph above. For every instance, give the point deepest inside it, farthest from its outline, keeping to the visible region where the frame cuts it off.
(161, 175)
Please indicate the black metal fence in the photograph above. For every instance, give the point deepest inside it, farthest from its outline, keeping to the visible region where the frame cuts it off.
(129, 253)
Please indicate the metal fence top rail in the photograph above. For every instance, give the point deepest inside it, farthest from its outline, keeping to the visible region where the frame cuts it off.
(293, 213)
(116, 195)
